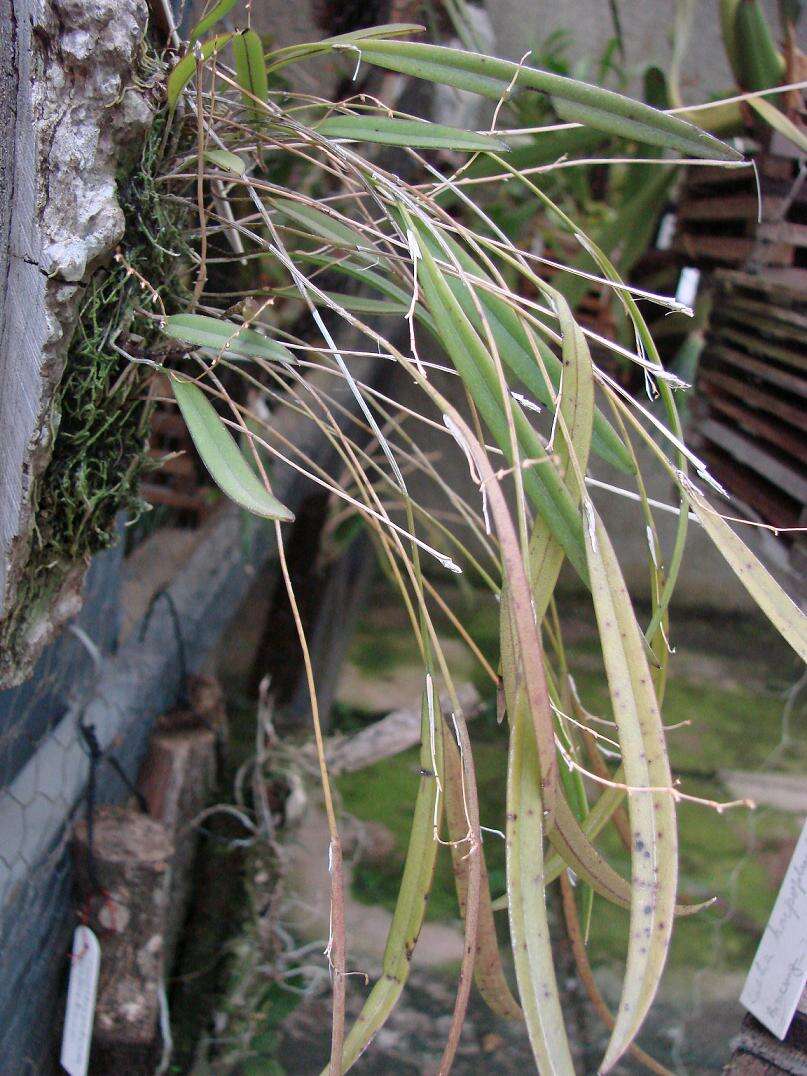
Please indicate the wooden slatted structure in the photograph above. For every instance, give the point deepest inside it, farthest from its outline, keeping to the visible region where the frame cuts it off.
(752, 386)
(719, 218)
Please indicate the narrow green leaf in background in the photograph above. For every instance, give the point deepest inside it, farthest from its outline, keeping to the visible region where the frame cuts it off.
(230, 162)
(216, 13)
(183, 72)
(602, 109)
(413, 895)
(529, 928)
(391, 131)
(250, 69)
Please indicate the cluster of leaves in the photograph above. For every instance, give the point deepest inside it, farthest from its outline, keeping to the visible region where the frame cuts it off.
(511, 341)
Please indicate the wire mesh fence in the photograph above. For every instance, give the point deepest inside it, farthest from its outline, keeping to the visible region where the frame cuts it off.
(85, 679)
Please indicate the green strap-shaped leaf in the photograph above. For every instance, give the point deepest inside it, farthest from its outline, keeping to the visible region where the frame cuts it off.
(224, 336)
(184, 70)
(358, 304)
(728, 31)
(413, 894)
(392, 131)
(573, 443)
(216, 14)
(779, 121)
(325, 226)
(654, 854)
(761, 63)
(476, 368)
(566, 835)
(250, 70)
(602, 109)
(222, 456)
(516, 352)
(594, 823)
(529, 929)
(782, 612)
(294, 53)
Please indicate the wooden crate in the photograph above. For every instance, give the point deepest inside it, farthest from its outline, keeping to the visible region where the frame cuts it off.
(718, 219)
(752, 385)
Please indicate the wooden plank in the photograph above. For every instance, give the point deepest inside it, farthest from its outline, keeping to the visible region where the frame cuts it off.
(772, 506)
(742, 390)
(783, 322)
(766, 371)
(734, 281)
(731, 207)
(734, 251)
(763, 346)
(23, 327)
(783, 231)
(748, 452)
(779, 435)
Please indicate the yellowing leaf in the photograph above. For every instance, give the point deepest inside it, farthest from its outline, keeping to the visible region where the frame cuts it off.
(654, 854)
(779, 121)
(782, 612)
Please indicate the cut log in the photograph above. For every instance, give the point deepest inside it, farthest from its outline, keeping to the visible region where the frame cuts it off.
(177, 777)
(124, 887)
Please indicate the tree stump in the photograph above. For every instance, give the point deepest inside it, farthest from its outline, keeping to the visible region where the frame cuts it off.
(124, 887)
(177, 778)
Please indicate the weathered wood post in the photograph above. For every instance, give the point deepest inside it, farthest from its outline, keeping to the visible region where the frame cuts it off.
(70, 110)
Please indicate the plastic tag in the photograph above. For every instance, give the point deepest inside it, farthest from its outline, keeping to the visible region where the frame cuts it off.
(81, 989)
(776, 980)
(687, 289)
(666, 232)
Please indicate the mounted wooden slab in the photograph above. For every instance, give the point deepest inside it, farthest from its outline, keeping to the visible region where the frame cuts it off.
(68, 107)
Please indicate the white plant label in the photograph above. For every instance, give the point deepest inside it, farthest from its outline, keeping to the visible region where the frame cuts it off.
(776, 980)
(687, 290)
(666, 232)
(81, 988)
